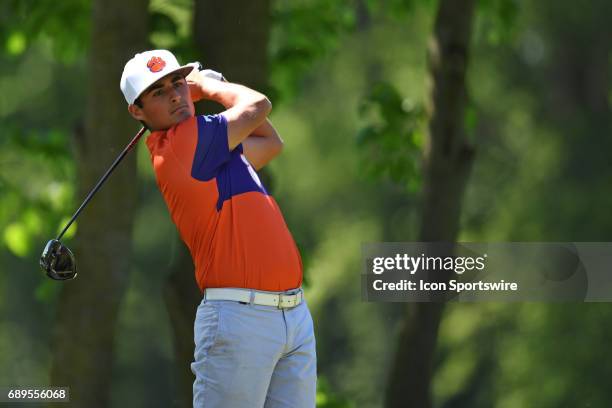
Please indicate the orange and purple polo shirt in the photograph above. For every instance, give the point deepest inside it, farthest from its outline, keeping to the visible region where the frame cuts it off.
(233, 228)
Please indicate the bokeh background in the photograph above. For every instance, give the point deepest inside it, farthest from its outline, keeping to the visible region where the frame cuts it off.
(403, 120)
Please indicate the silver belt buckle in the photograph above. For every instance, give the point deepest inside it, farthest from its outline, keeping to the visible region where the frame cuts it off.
(292, 304)
(280, 301)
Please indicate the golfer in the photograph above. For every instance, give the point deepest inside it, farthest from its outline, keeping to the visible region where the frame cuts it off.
(253, 332)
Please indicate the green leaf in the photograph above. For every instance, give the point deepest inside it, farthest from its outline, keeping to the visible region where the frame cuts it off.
(17, 239)
(391, 141)
(32, 221)
(16, 43)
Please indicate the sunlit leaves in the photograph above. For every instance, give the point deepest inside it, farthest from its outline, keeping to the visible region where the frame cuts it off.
(391, 142)
(36, 180)
(70, 232)
(22, 22)
(16, 43)
(301, 34)
(18, 235)
(16, 238)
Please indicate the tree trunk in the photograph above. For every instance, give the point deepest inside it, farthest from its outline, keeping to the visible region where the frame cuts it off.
(88, 306)
(447, 162)
(182, 297)
(231, 37)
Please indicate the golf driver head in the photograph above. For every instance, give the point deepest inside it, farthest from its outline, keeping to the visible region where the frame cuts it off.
(57, 261)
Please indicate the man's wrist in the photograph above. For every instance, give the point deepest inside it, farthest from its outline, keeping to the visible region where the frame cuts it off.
(217, 91)
(202, 83)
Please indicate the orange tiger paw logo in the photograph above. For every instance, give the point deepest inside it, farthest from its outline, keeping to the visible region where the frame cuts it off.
(156, 64)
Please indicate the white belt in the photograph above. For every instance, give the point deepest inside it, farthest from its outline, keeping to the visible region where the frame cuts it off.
(281, 300)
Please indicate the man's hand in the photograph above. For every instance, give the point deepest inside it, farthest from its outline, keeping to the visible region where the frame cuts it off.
(194, 81)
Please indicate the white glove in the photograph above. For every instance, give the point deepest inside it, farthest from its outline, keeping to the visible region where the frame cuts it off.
(213, 74)
(208, 72)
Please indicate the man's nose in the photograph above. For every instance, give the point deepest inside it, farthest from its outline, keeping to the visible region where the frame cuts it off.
(175, 95)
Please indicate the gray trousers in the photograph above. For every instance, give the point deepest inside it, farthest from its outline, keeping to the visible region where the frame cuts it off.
(253, 356)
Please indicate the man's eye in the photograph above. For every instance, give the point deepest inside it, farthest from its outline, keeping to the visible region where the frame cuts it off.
(157, 93)
(178, 84)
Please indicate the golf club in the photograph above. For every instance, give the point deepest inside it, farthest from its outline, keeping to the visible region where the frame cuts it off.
(57, 260)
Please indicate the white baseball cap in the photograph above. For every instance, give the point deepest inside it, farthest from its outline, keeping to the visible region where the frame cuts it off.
(147, 67)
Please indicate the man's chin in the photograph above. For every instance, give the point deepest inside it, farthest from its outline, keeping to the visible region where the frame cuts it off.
(181, 117)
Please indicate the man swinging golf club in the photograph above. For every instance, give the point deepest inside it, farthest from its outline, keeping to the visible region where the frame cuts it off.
(253, 332)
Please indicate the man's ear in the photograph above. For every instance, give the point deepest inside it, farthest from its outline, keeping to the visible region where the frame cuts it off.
(136, 112)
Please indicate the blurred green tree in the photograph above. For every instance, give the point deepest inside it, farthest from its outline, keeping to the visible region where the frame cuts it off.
(447, 162)
(88, 306)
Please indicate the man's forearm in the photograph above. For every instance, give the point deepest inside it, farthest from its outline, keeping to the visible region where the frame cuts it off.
(266, 129)
(262, 145)
(228, 94)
